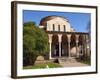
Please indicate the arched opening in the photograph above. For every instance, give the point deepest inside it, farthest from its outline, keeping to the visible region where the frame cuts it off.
(85, 51)
(64, 28)
(73, 46)
(81, 46)
(53, 27)
(58, 27)
(55, 46)
(64, 46)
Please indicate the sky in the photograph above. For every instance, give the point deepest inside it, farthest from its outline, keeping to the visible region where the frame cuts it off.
(79, 21)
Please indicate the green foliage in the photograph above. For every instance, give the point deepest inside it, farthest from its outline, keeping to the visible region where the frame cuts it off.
(41, 66)
(29, 24)
(35, 42)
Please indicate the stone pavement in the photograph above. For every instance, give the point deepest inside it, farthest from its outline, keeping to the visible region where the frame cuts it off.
(73, 64)
(70, 62)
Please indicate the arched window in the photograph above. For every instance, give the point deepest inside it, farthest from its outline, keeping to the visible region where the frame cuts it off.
(53, 27)
(58, 27)
(45, 27)
(64, 28)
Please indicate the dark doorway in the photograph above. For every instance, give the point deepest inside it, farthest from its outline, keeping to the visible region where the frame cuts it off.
(57, 50)
(64, 52)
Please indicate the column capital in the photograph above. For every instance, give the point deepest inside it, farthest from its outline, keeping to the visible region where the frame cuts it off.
(77, 35)
(59, 35)
(50, 38)
(77, 38)
(87, 38)
(50, 35)
(69, 35)
(84, 36)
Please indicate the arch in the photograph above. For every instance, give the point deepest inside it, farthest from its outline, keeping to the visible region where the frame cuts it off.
(81, 39)
(64, 45)
(84, 45)
(73, 40)
(55, 46)
(81, 44)
(73, 45)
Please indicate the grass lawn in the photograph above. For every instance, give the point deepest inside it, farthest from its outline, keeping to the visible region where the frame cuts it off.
(41, 66)
(86, 62)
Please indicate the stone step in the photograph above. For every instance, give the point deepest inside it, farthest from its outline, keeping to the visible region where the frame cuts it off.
(65, 60)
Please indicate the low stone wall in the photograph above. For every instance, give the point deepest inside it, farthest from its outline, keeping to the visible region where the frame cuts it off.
(41, 60)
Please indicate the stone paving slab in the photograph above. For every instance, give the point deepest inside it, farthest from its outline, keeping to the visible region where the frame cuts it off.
(74, 64)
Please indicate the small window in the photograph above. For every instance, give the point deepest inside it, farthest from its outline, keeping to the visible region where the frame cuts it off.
(64, 28)
(58, 27)
(53, 27)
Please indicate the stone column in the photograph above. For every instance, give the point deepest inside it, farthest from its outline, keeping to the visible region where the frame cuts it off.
(50, 42)
(87, 46)
(82, 49)
(84, 45)
(69, 40)
(77, 41)
(59, 39)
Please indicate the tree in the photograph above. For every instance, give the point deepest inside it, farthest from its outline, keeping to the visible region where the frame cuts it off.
(35, 42)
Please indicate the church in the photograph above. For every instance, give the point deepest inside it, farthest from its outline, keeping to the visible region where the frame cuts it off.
(64, 40)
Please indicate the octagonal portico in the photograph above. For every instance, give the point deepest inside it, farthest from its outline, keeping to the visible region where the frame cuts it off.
(64, 41)
(67, 44)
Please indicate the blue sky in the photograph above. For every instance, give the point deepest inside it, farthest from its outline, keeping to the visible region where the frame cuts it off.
(79, 21)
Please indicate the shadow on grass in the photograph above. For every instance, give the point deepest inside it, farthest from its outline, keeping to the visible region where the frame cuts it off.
(84, 60)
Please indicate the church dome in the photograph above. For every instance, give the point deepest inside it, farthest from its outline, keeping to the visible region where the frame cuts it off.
(44, 20)
(55, 23)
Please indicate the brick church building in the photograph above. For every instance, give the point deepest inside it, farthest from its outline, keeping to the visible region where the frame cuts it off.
(64, 40)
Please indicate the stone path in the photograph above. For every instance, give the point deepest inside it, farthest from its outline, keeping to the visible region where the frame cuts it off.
(73, 64)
